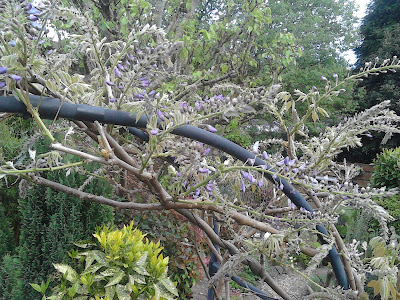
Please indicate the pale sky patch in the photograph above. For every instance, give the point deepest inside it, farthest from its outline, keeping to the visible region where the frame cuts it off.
(362, 4)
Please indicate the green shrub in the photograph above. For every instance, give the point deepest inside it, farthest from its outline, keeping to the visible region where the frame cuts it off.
(387, 173)
(121, 265)
(387, 169)
(177, 236)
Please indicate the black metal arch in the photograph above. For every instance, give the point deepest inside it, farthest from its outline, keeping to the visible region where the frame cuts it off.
(51, 108)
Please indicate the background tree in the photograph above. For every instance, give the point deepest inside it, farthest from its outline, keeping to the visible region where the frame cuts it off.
(380, 31)
(322, 29)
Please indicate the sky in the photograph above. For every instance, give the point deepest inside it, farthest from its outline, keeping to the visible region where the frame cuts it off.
(363, 6)
(349, 55)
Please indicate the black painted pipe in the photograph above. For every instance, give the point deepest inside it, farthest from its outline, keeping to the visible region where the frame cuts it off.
(256, 291)
(51, 107)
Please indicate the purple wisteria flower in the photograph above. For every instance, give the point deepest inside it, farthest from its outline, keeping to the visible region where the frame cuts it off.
(12, 43)
(3, 70)
(260, 183)
(265, 155)
(280, 163)
(251, 178)
(34, 11)
(210, 187)
(144, 82)
(121, 67)
(154, 131)
(242, 186)
(207, 151)
(203, 170)
(2, 84)
(26, 6)
(140, 95)
(32, 18)
(211, 129)
(161, 115)
(112, 100)
(108, 82)
(286, 160)
(36, 25)
(117, 72)
(244, 174)
(15, 77)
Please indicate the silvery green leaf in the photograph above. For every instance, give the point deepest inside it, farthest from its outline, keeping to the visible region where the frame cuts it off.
(142, 260)
(169, 285)
(122, 293)
(247, 109)
(69, 273)
(116, 279)
(110, 271)
(110, 292)
(137, 277)
(157, 292)
(231, 113)
(92, 269)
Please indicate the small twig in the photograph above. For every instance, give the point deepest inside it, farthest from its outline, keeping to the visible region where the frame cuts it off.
(103, 136)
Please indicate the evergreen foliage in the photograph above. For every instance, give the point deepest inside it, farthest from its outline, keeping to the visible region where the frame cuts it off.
(380, 31)
(52, 221)
(10, 278)
(6, 237)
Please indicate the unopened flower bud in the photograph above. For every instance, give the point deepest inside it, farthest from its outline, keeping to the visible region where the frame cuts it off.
(154, 131)
(242, 186)
(203, 170)
(211, 129)
(15, 77)
(117, 72)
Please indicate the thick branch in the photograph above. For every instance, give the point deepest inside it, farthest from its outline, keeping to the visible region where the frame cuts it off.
(254, 265)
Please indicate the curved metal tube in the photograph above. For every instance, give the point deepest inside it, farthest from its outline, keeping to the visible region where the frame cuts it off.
(51, 107)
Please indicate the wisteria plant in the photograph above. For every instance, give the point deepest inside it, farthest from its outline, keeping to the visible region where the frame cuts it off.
(144, 72)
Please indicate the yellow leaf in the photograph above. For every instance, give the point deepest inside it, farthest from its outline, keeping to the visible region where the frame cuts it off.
(314, 116)
(374, 284)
